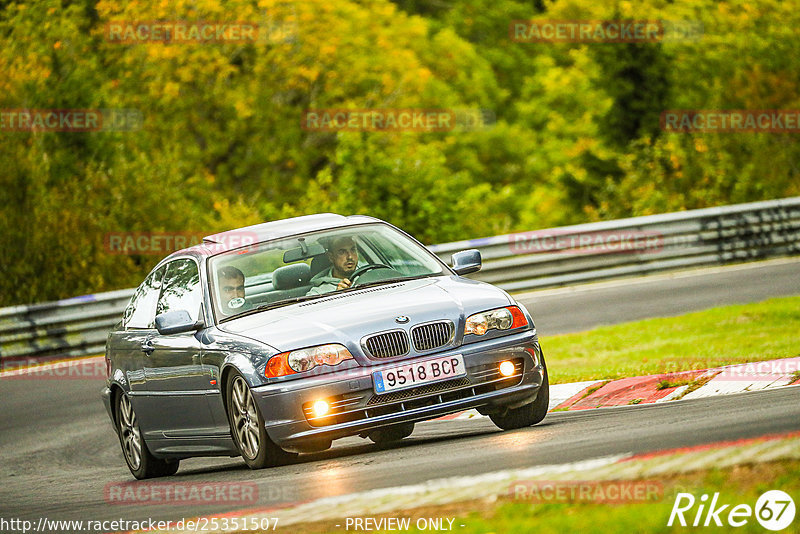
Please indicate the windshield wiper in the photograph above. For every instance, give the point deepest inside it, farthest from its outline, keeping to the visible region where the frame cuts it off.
(271, 305)
(391, 281)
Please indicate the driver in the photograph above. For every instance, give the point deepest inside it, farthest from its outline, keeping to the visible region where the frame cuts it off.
(343, 255)
(231, 290)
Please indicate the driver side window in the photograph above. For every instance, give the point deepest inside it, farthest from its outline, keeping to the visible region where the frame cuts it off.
(140, 313)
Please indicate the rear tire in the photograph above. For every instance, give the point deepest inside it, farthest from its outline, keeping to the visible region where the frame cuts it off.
(391, 434)
(529, 414)
(247, 427)
(140, 460)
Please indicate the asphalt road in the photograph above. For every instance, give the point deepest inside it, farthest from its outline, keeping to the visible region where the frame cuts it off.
(64, 475)
(58, 453)
(583, 307)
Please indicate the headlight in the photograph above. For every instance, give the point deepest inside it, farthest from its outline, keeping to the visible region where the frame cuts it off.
(298, 361)
(500, 319)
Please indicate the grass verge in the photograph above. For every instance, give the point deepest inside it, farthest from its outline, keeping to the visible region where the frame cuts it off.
(742, 484)
(699, 340)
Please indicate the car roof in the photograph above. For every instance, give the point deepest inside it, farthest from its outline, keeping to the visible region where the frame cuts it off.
(257, 233)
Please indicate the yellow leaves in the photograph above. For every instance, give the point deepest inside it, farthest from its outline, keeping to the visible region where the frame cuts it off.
(57, 45)
(388, 82)
(244, 109)
(309, 73)
(700, 145)
(172, 90)
(161, 51)
(424, 74)
(582, 145)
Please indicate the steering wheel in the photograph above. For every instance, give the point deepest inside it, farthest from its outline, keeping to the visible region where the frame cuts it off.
(361, 270)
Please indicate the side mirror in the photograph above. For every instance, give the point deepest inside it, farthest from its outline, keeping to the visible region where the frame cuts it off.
(176, 322)
(466, 261)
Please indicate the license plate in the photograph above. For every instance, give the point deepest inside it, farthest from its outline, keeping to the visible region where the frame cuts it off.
(418, 373)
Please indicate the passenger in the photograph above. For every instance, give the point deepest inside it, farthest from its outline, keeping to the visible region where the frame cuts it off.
(231, 290)
(343, 255)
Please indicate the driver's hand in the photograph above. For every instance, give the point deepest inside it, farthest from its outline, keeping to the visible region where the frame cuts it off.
(344, 284)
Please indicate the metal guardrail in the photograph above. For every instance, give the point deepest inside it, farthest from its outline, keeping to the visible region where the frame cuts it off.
(60, 329)
(636, 246)
(514, 262)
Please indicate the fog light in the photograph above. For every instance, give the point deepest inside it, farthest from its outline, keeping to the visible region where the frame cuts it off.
(506, 368)
(320, 408)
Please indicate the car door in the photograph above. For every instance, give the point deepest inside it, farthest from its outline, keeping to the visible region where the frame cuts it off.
(127, 346)
(176, 380)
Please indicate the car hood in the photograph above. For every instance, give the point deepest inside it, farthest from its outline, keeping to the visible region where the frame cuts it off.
(347, 317)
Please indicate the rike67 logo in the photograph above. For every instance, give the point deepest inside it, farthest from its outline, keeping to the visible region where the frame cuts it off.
(774, 510)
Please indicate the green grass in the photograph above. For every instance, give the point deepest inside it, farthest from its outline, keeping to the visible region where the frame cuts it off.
(741, 484)
(667, 384)
(699, 340)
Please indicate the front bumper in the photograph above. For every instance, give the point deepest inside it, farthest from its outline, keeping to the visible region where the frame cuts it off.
(355, 408)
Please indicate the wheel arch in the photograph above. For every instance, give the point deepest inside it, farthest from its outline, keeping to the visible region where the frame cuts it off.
(116, 390)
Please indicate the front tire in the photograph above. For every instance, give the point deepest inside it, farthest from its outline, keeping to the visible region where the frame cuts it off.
(529, 414)
(247, 427)
(140, 460)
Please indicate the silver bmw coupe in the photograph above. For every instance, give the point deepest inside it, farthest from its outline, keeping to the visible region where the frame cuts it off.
(275, 339)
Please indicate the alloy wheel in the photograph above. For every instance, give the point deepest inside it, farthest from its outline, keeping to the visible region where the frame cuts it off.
(131, 437)
(245, 418)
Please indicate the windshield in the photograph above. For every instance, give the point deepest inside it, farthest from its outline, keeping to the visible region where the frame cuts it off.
(279, 272)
